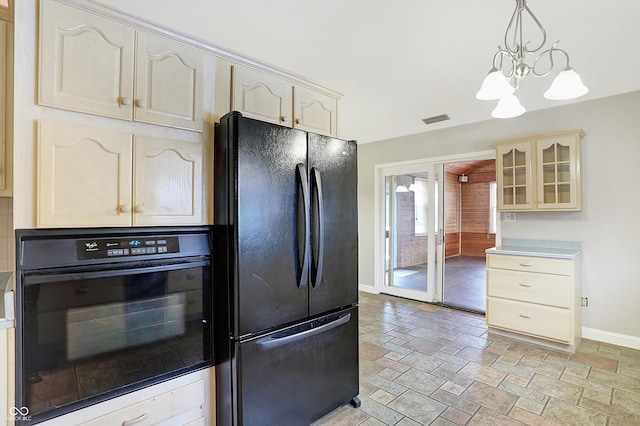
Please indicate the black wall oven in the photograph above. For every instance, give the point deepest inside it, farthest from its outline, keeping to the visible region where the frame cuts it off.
(102, 312)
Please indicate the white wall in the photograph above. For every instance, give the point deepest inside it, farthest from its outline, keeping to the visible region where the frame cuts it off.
(608, 225)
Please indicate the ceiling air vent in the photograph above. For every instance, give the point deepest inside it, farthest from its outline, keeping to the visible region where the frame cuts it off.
(435, 119)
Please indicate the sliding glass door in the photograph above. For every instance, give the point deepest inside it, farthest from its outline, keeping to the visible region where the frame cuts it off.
(413, 231)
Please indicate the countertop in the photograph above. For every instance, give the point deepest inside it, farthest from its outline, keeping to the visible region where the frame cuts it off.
(538, 248)
(6, 284)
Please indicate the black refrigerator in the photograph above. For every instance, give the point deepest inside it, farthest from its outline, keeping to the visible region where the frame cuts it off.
(285, 273)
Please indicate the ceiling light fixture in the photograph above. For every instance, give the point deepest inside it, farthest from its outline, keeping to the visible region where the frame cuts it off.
(509, 68)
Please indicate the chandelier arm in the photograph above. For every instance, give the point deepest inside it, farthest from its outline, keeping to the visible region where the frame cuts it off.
(499, 55)
(544, 32)
(513, 48)
(549, 52)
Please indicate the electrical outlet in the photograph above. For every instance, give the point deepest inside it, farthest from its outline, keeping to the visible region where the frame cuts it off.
(509, 217)
(585, 301)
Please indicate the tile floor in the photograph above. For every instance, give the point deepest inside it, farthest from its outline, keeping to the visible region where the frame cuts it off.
(422, 364)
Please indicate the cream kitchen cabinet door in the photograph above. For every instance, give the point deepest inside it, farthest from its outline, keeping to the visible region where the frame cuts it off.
(315, 112)
(262, 96)
(98, 177)
(558, 171)
(84, 176)
(168, 182)
(6, 109)
(87, 64)
(514, 174)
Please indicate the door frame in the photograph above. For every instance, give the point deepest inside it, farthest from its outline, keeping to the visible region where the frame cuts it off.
(379, 213)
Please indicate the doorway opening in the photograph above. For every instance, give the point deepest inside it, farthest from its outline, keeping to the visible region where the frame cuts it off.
(470, 212)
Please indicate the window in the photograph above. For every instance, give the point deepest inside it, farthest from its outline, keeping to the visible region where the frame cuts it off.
(493, 207)
(421, 204)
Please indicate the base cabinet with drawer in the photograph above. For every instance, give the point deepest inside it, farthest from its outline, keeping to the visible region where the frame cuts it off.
(536, 295)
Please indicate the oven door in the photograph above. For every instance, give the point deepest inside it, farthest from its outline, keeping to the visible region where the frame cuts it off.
(88, 335)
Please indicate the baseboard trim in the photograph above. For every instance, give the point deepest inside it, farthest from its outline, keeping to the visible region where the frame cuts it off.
(367, 289)
(612, 338)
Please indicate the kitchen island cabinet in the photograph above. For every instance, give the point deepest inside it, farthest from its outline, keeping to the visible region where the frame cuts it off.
(90, 176)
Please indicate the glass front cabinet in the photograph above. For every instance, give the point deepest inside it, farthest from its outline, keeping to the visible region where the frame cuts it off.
(540, 172)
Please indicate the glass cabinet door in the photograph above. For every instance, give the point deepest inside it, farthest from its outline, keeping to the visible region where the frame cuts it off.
(558, 173)
(514, 176)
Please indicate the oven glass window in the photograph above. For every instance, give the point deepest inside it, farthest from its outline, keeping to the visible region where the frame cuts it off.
(83, 337)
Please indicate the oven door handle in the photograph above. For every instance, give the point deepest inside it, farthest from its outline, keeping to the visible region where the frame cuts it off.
(74, 276)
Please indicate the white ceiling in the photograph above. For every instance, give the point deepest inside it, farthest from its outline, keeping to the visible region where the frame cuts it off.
(399, 61)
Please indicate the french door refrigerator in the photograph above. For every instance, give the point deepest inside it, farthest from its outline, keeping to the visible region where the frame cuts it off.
(285, 286)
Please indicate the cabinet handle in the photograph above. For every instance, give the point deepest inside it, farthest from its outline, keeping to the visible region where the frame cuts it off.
(125, 100)
(283, 118)
(138, 419)
(141, 103)
(524, 285)
(298, 121)
(125, 208)
(140, 208)
(525, 316)
(528, 265)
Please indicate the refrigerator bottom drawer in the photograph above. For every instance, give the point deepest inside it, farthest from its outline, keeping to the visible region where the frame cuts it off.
(296, 375)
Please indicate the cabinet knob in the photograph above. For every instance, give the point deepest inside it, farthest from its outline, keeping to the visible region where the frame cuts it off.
(140, 208)
(125, 208)
(283, 118)
(126, 100)
(141, 103)
(298, 121)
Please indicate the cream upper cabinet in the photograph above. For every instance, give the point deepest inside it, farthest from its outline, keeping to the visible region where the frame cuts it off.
(540, 172)
(90, 176)
(84, 176)
(168, 182)
(87, 64)
(514, 176)
(263, 96)
(315, 112)
(558, 171)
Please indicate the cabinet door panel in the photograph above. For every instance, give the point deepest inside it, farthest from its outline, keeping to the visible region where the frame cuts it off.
(169, 77)
(168, 182)
(315, 112)
(84, 176)
(86, 62)
(514, 176)
(261, 96)
(558, 173)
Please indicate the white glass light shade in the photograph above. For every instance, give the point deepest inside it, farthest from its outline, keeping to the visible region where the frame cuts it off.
(508, 107)
(412, 187)
(494, 86)
(567, 85)
(402, 188)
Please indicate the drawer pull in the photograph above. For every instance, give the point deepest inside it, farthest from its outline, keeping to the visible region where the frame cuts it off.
(138, 419)
(528, 265)
(525, 316)
(524, 285)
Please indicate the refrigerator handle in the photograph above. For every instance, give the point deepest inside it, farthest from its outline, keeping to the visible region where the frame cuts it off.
(269, 342)
(316, 269)
(301, 181)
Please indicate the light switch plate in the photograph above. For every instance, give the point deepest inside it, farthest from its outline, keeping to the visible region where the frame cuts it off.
(509, 217)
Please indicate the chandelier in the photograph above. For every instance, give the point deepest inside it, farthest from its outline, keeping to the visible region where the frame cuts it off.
(509, 68)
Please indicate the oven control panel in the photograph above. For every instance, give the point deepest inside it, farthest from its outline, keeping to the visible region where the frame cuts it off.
(103, 248)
